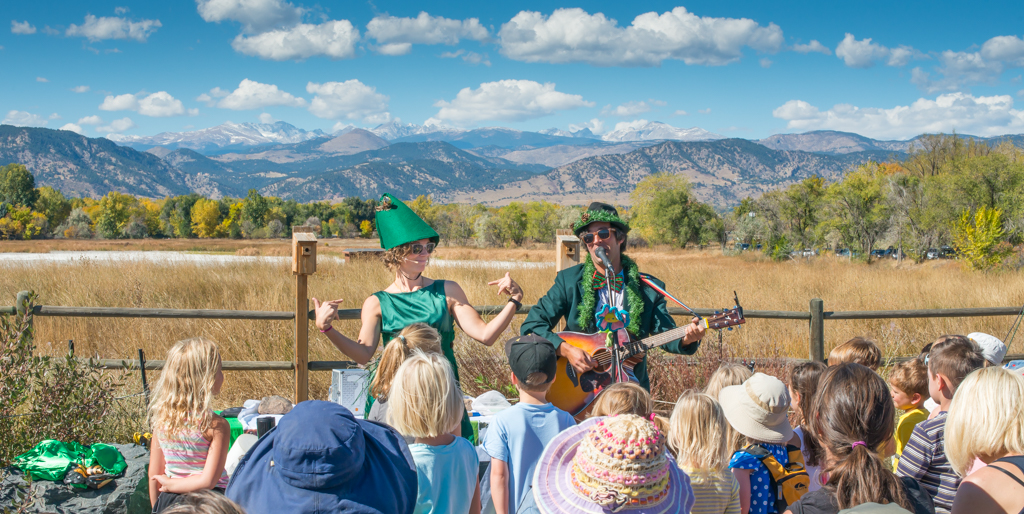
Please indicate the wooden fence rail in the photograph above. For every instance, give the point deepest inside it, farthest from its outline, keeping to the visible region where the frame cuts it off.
(815, 316)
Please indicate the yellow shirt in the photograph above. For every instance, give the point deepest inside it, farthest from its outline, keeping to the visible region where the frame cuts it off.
(904, 428)
(714, 493)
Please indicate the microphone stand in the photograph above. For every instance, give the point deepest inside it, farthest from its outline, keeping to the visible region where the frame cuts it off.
(609, 278)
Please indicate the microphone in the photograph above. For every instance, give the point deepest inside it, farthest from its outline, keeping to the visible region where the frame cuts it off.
(599, 251)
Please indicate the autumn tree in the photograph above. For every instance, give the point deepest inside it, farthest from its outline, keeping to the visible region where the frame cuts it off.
(205, 218)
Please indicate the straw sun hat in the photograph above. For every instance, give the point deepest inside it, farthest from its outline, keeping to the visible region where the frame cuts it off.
(610, 464)
(758, 409)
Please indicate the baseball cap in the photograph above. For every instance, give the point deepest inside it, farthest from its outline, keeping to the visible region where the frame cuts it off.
(531, 354)
(991, 347)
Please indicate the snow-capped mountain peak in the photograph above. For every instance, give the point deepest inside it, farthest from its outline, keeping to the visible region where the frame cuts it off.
(643, 130)
(224, 135)
(396, 129)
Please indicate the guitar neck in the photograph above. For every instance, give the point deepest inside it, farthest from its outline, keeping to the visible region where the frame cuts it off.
(667, 337)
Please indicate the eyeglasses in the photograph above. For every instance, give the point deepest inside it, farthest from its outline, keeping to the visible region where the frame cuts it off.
(418, 248)
(604, 233)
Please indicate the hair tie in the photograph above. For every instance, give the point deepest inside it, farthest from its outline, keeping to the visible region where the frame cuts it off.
(858, 443)
(402, 339)
(651, 417)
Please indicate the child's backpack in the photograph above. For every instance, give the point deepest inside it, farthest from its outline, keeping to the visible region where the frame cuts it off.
(790, 482)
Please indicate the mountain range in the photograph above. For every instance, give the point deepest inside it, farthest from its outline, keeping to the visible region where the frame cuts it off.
(490, 165)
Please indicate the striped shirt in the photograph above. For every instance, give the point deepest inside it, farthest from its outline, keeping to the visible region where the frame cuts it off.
(924, 459)
(185, 455)
(714, 493)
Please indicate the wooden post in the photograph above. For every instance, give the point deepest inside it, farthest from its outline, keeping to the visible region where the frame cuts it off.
(20, 306)
(303, 265)
(142, 369)
(817, 339)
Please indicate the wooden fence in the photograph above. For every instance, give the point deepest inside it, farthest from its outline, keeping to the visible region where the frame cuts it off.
(815, 317)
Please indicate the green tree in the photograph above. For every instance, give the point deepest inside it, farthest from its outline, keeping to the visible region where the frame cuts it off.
(52, 204)
(510, 224)
(666, 212)
(17, 185)
(254, 208)
(979, 238)
(801, 208)
(858, 208)
(116, 210)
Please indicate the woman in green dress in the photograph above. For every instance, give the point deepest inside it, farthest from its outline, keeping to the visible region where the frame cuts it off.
(408, 242)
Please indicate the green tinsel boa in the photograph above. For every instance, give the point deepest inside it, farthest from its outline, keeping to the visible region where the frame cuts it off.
(634, 302)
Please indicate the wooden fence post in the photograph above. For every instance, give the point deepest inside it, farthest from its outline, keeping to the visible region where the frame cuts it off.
(303, 265)
(20, 306)
(817, 339)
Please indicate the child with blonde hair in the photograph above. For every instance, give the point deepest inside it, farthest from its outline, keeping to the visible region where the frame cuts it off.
(908, 383)
(728, 374)
(426, 403)
(190, 442)
(418, 336)
(986, 421)
(697, 435)
(860, 350)
(627, 398)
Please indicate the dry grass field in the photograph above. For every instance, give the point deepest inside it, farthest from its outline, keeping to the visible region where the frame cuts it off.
(702, 278)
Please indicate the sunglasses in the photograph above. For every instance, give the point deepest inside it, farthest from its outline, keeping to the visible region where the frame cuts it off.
(418, 248)
(604, 233)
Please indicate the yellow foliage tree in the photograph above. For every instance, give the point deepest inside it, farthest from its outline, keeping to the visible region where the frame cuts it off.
(205, 217)
(979, 238)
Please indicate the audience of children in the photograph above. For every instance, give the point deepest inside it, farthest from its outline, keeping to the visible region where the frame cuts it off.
(517, 436)
(803, 384)
(610, 464)
(427, 404)
(949, 361)
(418, 336)
(908, 384)
(758, 409)
(697, 436)
(728, 374)
(190, 442)
(986, 421)
(853, 416)
(861, 350)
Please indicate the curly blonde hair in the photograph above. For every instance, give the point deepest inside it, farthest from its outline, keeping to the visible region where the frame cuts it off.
(394, 257)
(184, 393)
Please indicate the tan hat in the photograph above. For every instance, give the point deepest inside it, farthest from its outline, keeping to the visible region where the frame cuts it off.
(758, 409)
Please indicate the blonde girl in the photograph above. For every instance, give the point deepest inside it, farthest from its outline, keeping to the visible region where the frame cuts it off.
(986, 421)
(697, 435)
(426, 404)
(418, 336)
(190, 442)
(627, 398)
(728, 374)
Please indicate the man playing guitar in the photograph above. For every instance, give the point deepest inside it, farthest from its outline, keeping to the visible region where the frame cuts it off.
(581, 295)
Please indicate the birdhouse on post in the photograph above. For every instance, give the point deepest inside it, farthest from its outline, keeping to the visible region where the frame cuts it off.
(303, 265)
(567, 250)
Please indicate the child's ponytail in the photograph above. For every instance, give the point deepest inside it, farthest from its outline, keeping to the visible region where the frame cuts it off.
(418, 336)
(853, 415)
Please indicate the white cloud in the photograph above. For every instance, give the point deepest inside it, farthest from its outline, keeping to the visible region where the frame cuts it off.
(680, 112)
(24, 119)
(507, 100)
(90, 120)
(266, 118)
(864, 53)
(765, 62)
(112, 27)
(334, 39)
(254, 15)
(573, 35)
(595, 125)
(813, 46)
(255, 95)
(120, 125)
(704, 111)
(1004, 48)
(350, 100)
(80, 89)
(964, 113)
(626, 110)
(158, 105)
(120, 10)
(23, 27)
(395, 36)
(73, 128)
(339, 126)
(41, 79)
(469, 57)
(208, 98)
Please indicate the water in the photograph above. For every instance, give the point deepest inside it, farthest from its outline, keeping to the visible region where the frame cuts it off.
(164, 258)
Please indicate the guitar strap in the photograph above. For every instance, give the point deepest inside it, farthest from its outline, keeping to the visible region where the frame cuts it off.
(646, 279)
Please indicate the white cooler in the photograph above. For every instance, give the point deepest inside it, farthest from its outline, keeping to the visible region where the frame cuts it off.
(350, 389)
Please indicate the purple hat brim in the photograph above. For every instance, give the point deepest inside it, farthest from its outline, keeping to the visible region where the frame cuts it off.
(555, 494)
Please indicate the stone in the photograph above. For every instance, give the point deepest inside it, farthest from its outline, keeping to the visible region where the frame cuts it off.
(129, 493)
(275, 405)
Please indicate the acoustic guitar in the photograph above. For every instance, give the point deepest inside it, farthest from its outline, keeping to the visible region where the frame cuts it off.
(574, 393)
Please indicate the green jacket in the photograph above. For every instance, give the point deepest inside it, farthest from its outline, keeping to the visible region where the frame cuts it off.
(565, 295)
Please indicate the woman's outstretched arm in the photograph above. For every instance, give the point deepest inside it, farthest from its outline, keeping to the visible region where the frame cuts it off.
(360, 350)
(471, 322)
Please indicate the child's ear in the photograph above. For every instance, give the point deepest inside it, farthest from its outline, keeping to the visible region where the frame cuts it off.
(512, 377)
(916, 398)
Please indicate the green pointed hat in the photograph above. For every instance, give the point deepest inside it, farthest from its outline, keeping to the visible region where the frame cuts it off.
(397, 224)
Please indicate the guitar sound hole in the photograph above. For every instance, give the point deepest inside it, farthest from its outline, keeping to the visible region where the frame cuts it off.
(604, 360)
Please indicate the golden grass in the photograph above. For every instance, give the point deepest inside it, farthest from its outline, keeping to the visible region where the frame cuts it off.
(701, 278)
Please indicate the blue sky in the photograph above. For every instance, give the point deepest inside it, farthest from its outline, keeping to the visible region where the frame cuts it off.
(741, 69)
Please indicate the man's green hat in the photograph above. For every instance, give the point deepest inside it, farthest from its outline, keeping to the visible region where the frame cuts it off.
(598, 211)
(397, 224)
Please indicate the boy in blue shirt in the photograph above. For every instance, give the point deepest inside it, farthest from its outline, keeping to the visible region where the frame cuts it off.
(516, 438)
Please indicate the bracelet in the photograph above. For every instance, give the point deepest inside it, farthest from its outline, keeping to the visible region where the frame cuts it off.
(329, 328)
(518, 304)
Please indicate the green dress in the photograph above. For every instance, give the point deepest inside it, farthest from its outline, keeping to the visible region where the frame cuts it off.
(427, 305)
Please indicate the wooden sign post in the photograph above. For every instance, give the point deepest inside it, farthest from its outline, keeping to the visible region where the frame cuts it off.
(303, 265)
